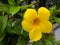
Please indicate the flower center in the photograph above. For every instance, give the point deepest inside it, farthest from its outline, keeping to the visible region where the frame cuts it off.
(36, 21)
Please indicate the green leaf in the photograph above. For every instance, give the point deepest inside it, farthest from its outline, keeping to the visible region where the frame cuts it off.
(57, 20)
(11, 2)
(21, 14)
(58, 11)
(36, 43)
(21, 42)
(19, 1)
(3, 23)
(1, 42)
(14, 9)
(26, 6)
(25, 34)
(16, 29)
(57, 42)
(47, 42)
(2, 35)
(53, 11)
(4, 8)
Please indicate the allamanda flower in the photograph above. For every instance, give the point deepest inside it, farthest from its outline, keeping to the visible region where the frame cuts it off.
(37, 23)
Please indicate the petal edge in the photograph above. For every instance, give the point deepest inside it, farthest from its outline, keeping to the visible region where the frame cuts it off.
(35, 35)
(46, 27)
(43, 13)
(30, 14)
(26, 26)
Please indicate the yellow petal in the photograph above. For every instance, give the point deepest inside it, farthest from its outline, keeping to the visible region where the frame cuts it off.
(43, 13)
(30, 14)
(26, 26)
(35, 35)
(46, 27)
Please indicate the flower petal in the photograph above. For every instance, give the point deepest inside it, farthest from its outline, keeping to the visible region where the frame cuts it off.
(26, 26)
(30, 14)
(46, 27)
(43, 13)
(35, 35)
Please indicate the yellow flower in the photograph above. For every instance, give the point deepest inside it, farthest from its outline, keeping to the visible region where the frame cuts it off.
(37, 23)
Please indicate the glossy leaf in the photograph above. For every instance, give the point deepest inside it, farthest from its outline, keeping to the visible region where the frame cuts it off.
(57, 42)
(11, 2)
(2, 35)
(26, 6)
(16, 29)
(1, 42)
(14, 9)
(47, 42)
(21, 43)
(25, 34)
(53, 11)
(3, 23)
(4, 8)
(57, 20)
(36, 43)
(19, 1)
